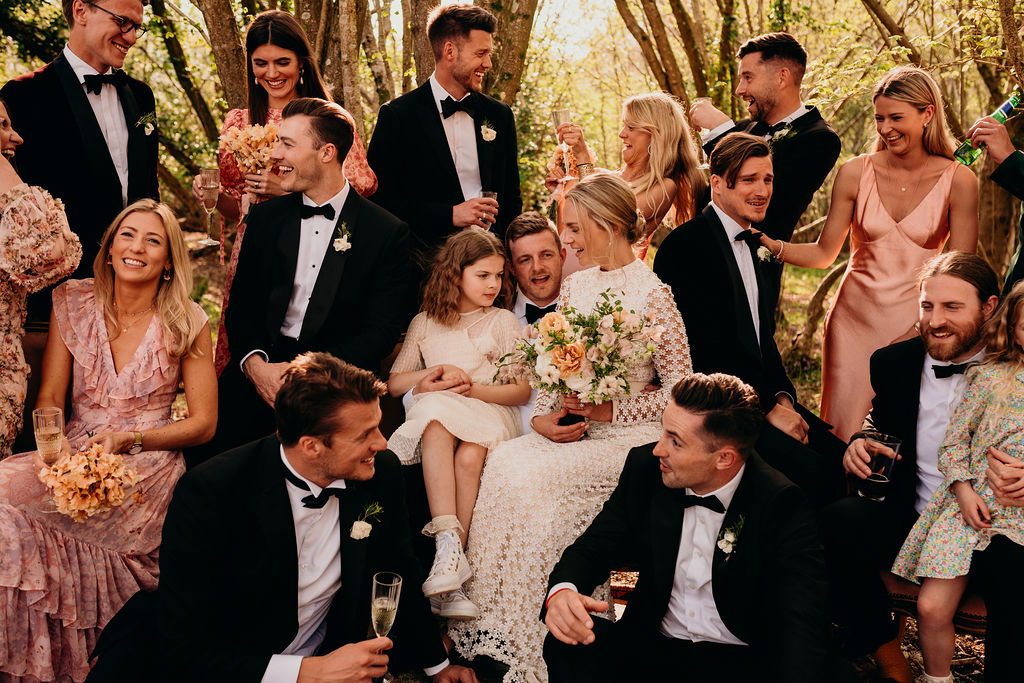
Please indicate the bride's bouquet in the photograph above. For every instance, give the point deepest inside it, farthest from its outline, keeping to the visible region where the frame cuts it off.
(251, 146)
(89, 482)
(587, 354)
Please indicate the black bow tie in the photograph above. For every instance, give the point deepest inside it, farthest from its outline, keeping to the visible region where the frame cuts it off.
(944, 371)
(751, 237)
(710, 502)
(450, 106)
(311, 501)
(327, 211)
(535, 313)
(94, 82)
(762, 129)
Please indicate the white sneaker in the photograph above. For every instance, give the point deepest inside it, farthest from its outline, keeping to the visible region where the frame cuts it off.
(450, 569)
(454, 605)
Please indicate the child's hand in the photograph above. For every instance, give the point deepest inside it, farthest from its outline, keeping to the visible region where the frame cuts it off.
(972, 506)
(463, 382)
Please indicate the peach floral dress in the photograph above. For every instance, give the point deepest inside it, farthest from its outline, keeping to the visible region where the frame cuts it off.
(357, 172)
(61, 581)
(37, 248)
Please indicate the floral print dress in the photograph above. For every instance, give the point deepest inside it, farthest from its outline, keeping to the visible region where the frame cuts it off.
(37, 248)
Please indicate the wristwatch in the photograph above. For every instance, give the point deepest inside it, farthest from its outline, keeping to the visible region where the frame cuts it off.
(137, 446)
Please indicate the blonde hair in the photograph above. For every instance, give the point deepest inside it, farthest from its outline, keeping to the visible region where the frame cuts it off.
(917, 88)
(181, 326)
(462, 249)
(607, 200)
(673, 153)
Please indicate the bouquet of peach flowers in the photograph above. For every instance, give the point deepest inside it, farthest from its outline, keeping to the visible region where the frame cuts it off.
(589, 355)
(89, 482)
(251, 146)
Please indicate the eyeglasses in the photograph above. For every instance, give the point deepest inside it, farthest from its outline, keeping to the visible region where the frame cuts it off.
(126, 24)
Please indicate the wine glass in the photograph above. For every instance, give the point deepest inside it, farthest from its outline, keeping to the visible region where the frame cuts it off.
(209, 181)
(558, 117)
(48, 424)
(387, 588)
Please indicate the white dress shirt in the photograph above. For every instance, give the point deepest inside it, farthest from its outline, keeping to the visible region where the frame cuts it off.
(109, 115)
(939, 398)
(723, 127)
(526, 411)
(459, 128)
(745, 263)
(692, 613)
(318, 542)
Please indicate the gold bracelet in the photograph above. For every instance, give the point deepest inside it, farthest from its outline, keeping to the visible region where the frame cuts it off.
(584, 169)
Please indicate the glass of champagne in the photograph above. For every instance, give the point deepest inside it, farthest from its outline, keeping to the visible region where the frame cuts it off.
(558, 117)
(209, 181)
(49, 428)
(387, 588)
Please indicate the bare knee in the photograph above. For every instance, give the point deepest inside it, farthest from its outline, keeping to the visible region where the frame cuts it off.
(935, 610)
(469, 459)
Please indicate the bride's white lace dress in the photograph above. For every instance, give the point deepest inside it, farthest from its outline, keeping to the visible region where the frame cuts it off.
(536, 496)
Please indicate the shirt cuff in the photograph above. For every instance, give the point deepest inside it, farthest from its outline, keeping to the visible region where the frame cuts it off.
(434, 670)
(717, 131)
(282, 668)
(263, 354)
(557, 587)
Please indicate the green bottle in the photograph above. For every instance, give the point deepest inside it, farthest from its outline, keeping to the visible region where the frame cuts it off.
(966, 153)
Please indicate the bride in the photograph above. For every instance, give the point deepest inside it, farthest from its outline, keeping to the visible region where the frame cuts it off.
(540, 491)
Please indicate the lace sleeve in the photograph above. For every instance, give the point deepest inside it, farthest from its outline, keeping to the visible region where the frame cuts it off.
(547, 402)
(231, 178)
(955, 452)
(671, 360)
(357, 170)
(37, 248)
(409, 358)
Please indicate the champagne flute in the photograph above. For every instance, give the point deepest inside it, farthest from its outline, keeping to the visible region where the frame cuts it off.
(48, 424)
(387, 588)
(558, 117)
(209, 181)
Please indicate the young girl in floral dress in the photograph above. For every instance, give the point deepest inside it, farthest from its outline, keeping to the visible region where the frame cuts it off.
(457, 336)
(963, 515)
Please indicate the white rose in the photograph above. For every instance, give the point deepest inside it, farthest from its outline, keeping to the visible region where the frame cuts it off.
(725, 545)
(342, 243)
(488, 134)
(729, 536)
(360, 530)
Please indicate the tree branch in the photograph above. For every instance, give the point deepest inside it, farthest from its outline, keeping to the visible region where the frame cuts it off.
(182, 71)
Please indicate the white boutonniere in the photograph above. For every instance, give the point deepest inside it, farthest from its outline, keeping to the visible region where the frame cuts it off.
(148, 123)
(782, 133)
(361, 528)
(341, 239)
(765, 254)
(729, 537)
(487, 133)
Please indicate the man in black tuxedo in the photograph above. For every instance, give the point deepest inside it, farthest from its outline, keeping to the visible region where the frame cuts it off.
(732, 581)
(918, 384)
(711, 264)
(437, 148)
(269, 552)
(321, 269)
(90, 140)
(804, 146)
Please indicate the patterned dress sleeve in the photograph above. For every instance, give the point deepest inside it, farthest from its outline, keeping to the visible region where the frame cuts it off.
(671, 360)
(37, 248)
(231, 177)
(357, 170)
(548, 402)
(410, 359)
(955, 452)
(506, 331)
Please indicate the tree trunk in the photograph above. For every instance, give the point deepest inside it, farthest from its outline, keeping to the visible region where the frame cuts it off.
(668, 58)
(349, 31)
(511, 43)
(692, 40)
(228, 50)
(416, 23)
(407, 46)
(646, 48)
(383, 82)
(726, 55)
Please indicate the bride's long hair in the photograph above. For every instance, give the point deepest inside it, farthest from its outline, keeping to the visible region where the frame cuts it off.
(181, 326)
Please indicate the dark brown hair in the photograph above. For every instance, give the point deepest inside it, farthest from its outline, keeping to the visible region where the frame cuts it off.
(730, 408)
(965, 266)
(778, 46)
(452, 23)
(464, 248)
(529, 223)
(68, 8)
(281, 30)
(729, 155)
(315, 385)
(329, 123)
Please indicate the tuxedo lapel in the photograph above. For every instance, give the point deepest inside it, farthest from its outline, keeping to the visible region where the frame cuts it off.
(441, 161)
(136, 141)
(741, 309)
(333, 266)
(353, 554)
(666, 529)
(96, 151)
(287, 246)
(484, 149)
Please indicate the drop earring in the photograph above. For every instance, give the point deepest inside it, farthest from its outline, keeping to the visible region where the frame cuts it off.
(167, 274)
(300, 78)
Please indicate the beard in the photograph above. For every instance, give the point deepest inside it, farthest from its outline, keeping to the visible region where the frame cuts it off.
(961, 339)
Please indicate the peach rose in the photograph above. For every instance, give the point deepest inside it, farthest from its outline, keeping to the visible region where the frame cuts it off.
(552, 322)
(568, 359)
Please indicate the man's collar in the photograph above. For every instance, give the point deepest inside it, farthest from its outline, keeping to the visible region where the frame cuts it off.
(313, 488)
(521, 300)
(336, 202)
(732, 228)
(440, 93)
(724, 493)
(79, 66)
(976, 358)
(800, 111)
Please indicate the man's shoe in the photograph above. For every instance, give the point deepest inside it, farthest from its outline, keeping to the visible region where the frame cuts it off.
(454, 605)
(450, 569)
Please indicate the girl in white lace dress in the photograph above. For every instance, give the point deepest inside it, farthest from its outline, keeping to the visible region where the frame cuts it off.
(540, 491)
(457, 337)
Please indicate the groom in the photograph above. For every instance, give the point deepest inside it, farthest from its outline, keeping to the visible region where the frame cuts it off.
(321, 269)
(732, 580)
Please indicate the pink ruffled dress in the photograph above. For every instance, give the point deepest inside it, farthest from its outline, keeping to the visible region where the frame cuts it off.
(61, 581)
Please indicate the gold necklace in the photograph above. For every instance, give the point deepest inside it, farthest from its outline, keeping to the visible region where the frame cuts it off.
(892, 178)
(134, 316)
